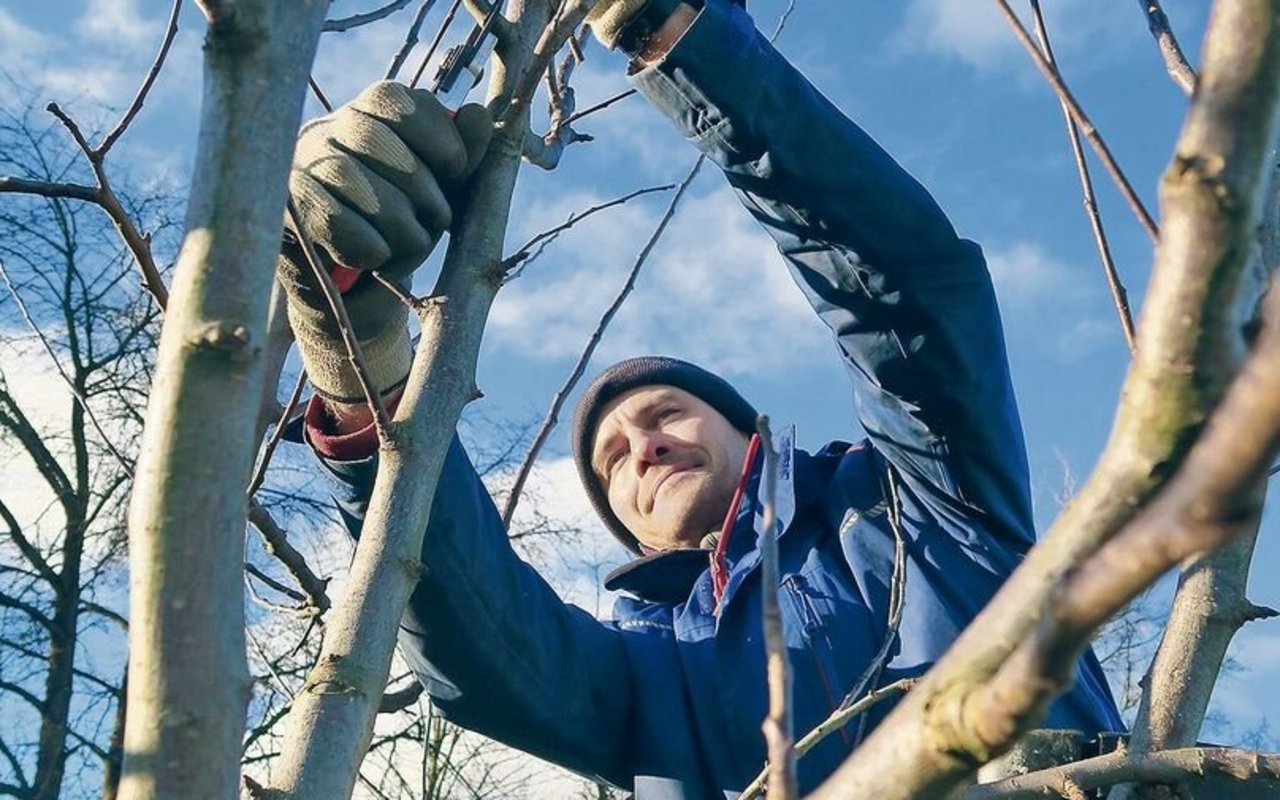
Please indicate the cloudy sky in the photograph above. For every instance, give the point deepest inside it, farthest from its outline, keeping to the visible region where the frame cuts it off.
(941, 84)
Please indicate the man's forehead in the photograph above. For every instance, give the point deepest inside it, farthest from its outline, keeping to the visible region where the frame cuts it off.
(631, 404)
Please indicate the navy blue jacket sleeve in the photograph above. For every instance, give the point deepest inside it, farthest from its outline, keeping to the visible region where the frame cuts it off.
(499, 652)
(910, 303)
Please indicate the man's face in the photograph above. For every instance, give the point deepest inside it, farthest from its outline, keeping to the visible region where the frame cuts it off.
(669, 464)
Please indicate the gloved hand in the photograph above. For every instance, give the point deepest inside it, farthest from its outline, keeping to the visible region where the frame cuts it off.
(375, 183)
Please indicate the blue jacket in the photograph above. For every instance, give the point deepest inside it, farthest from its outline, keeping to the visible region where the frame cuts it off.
(667, 699)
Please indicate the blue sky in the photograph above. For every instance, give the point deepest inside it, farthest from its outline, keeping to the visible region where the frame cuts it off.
(941, 84)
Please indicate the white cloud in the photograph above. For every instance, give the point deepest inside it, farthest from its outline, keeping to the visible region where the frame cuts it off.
(119, 22)
(18, 41)
(975, 33)
(1024, 273)
(715, 291)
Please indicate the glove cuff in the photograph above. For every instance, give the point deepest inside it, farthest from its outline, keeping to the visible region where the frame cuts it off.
(387, 359)
(610, 17)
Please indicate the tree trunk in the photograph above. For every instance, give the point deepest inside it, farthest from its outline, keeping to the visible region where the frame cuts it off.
(188, 679)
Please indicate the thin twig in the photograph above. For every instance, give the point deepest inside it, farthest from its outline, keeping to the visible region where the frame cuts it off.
(777, 726)
(1175, 62)
(170, 32)
(410, 39)
(557, 403)
(523, 255)
(277, 434)
(838, 719)
(105, 198)
(1086, 125)
(276, 543)
(414, 303)
(287, 591)
(355, 352)
(358, 20)
(603, 104)
(897, 600)
(1118, 293)
(315, 89)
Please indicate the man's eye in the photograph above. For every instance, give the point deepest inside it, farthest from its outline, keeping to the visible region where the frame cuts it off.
(612, 462)
(668, 413)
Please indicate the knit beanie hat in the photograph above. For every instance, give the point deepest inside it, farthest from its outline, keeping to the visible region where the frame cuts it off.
(622, 378)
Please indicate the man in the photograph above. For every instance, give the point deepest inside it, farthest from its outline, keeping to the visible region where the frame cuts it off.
(667, 699)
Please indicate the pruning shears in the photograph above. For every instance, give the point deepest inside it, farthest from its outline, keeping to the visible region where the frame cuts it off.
(462, 67)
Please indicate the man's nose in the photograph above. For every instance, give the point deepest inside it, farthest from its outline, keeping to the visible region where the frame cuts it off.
(652, 448)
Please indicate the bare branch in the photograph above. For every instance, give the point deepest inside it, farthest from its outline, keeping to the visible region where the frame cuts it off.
(410, 39)
(358, 20)
(1168, 766)
(320, 96)
(603, 104)
(171, 31)
(1118, 293)
(277, 434)
(777, 725)
(276, 542)
(839, 718)
(525, 253)
(126, 463)
(557, 403)
(1170, 51)
(1209, 196)
(355, 352)
(1081, 119)
(73, 191)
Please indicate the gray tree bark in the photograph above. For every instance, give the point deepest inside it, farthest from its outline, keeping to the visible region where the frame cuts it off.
(188, 679)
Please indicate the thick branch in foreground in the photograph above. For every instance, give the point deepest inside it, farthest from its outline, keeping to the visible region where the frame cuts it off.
(1166, 767)
(188, 679)
(1187, 348)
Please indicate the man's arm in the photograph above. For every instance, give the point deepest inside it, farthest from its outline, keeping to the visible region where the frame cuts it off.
(496, 648)
(910, 303)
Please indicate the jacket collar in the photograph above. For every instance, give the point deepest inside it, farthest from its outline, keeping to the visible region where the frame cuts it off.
(668, 577)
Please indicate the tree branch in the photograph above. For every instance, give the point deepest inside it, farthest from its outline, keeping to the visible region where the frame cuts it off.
(140, 97)
(777, 725)
(358, 20)
(1170, 51)
(1166, 767)
(410, 39)
(1118, 293)
(1081, 119)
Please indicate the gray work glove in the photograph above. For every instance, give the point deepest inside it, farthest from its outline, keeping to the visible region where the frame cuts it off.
(374, 183)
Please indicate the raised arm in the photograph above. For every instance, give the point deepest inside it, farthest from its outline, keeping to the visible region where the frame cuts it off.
(910, 303)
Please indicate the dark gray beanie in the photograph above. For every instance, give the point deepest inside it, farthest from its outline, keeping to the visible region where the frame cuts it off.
(622, 378)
